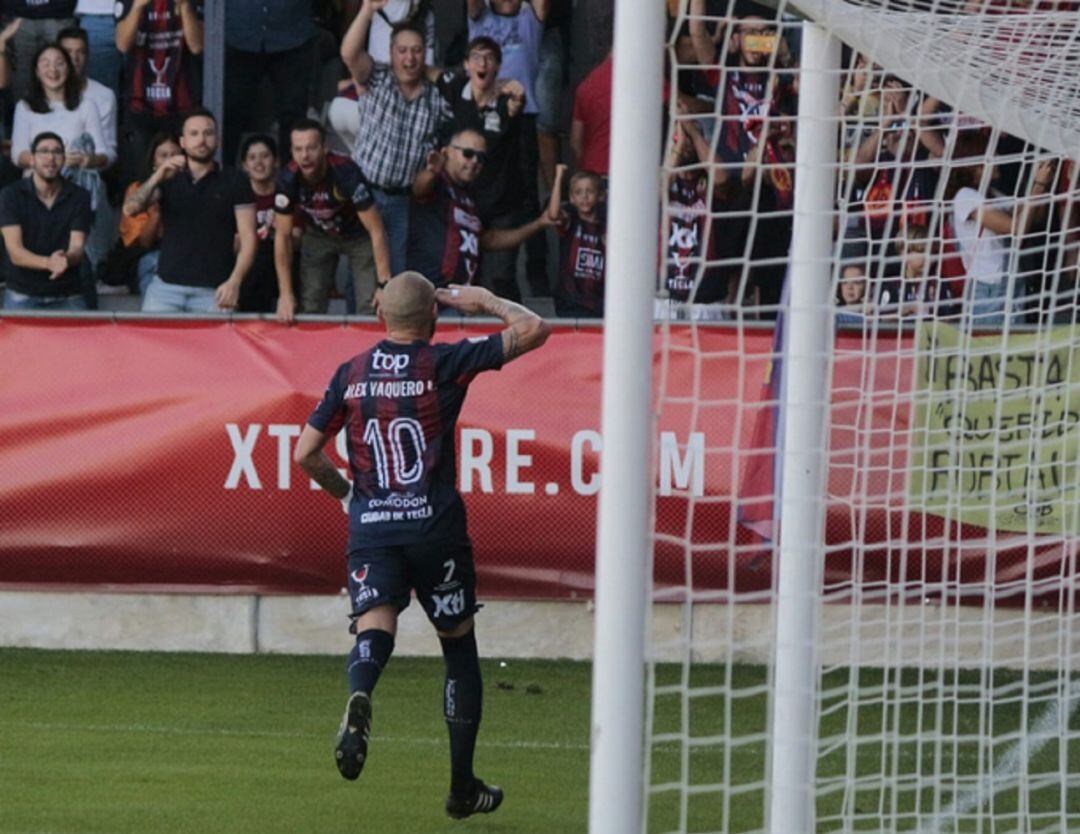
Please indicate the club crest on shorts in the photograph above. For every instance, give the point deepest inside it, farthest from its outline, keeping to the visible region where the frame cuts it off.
(359, 575)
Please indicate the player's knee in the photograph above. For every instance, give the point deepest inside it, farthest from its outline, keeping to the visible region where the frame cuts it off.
(458, 631)
(380, 618)
(460, 652)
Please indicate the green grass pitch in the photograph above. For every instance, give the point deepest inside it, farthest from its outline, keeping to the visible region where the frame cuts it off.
(159, 743)
(227, 744)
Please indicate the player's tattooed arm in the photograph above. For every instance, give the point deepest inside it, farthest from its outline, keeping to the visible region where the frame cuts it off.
(312, 459)
(524, 331)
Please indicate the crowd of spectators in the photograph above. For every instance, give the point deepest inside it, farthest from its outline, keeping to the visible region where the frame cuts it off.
(385, 134)
(935, 215)
(447, 136)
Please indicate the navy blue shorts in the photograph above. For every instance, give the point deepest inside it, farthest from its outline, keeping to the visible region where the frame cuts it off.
(441, 573)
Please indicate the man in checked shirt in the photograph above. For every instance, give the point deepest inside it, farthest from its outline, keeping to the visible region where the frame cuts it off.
(401, 112)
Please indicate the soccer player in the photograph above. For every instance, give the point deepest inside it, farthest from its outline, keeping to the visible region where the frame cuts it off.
(398, 403)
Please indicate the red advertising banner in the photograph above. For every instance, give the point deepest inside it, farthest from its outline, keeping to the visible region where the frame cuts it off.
(157, 455)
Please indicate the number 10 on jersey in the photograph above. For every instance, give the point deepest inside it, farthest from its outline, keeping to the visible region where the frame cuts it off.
(397, 445)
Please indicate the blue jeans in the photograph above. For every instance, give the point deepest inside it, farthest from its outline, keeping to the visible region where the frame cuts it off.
(987, 303)
(549, 84)
(394, 209)
(20, 301)
(146, 269)
(105, 60)
(163, 297)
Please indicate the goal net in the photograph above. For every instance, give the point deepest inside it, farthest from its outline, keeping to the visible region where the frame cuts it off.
(865, 581)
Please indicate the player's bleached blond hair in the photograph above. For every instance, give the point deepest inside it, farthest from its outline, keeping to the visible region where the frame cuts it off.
(408, 302)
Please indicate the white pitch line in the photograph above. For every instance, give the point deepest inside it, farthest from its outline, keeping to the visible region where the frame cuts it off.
(1012, 763)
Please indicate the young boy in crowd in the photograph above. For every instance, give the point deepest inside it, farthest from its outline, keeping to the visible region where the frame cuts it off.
(852, 298)
(581, 224)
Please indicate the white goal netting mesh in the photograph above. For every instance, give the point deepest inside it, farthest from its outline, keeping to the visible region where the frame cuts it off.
(946, 644)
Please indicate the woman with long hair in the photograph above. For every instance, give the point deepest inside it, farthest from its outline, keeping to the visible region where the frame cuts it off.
(132, 263)
(55, 103)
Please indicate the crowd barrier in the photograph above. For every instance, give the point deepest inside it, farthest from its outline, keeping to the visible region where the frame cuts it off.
(156, 455)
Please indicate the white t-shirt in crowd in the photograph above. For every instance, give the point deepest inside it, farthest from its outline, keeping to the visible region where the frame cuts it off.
(104, 99)
(984, 253)
(344, 119)
(69, 125)
(383, 21)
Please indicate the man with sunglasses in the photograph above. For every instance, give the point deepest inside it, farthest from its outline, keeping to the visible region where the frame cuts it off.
(478, 99)
(446, 231)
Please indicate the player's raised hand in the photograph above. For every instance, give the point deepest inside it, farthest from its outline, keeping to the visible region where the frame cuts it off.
(466, 299)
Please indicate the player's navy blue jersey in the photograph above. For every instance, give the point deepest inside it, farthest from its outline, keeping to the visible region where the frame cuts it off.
(399, 405)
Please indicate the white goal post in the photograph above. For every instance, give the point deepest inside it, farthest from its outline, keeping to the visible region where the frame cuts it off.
(626, 424)
(866, 618)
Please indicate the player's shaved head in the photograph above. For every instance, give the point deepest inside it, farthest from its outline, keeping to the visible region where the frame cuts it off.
(408, 303)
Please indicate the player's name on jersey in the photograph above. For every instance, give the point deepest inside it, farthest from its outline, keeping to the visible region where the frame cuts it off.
(388, 388)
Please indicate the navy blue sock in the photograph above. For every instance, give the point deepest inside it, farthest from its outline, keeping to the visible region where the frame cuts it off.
(367, 659)
(463, 700)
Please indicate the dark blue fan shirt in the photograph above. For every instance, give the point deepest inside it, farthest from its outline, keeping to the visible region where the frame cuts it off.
(331, 204)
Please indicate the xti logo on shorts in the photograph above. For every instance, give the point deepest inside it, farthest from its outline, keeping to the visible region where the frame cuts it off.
(449, 605)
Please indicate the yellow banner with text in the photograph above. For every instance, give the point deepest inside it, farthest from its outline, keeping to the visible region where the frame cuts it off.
(996, 429)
